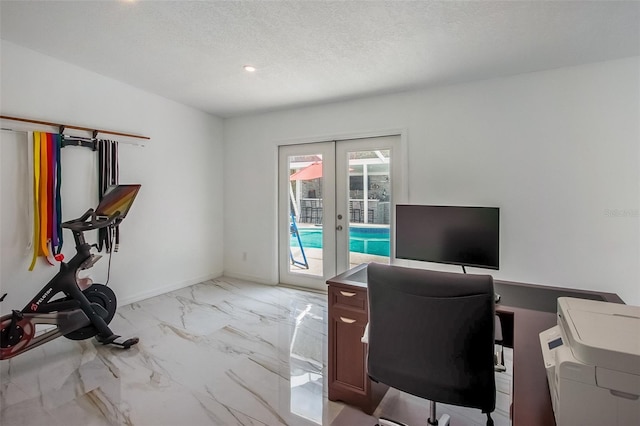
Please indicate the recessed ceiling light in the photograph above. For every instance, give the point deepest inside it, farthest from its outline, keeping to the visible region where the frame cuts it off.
(249, 68)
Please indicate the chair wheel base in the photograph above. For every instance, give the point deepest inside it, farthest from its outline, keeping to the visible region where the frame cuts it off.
(388, 422)
(442, 421)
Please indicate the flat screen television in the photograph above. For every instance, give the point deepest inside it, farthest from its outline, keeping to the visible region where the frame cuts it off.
(466, 236)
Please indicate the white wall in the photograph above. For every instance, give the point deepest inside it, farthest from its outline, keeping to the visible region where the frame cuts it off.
(558, 151)
(173, 234)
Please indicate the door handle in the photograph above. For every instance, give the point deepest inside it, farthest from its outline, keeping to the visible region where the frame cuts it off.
(339, 227)
(347, 320)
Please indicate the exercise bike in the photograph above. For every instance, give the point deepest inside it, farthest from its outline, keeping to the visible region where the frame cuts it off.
(82, 311)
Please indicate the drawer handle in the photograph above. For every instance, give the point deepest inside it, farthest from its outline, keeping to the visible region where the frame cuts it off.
(347, 293)
(347, 320)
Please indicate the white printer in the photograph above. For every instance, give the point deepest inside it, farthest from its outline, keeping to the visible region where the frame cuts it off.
(592, 359)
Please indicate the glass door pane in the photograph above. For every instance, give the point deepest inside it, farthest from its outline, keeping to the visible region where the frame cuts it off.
(369, 194)
(305, 211)
(369, 206)
(307, 188)
(364, 193)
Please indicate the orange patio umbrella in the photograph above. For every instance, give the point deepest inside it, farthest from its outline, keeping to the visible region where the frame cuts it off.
(312, 171)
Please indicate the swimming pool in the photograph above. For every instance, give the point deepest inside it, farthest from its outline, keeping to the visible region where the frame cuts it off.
(362, 239)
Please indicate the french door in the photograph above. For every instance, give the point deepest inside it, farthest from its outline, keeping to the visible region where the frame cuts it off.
(336, 206)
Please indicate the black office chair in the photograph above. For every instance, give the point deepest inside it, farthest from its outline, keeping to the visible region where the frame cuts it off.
(431, 334)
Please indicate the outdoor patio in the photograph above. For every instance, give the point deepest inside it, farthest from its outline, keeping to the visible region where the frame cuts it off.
(314, 258)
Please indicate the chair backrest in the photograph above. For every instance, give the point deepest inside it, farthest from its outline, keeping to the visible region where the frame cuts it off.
(431, 334)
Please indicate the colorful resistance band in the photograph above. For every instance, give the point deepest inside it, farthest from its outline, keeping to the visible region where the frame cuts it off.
(36, 198)
(44, 196)
(52, 187)
(47, 226)
(58, 198)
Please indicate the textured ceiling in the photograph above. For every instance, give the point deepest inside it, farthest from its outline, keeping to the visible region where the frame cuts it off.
(310, 52)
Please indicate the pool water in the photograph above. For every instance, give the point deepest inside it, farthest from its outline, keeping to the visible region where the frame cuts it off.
(361, 239)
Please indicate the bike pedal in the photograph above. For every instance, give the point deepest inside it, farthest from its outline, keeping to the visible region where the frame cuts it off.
(107, 340)
(127, 343)
(130, 342)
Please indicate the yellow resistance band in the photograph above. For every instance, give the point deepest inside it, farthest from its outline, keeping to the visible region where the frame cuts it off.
(36, 198)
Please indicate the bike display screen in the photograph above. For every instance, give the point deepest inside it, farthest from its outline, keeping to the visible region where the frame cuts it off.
(118, 198)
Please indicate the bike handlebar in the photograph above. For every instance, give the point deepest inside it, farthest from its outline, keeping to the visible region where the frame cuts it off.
(82, 218)
(82, 225)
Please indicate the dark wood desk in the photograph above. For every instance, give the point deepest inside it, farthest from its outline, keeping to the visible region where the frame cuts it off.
(525, 310)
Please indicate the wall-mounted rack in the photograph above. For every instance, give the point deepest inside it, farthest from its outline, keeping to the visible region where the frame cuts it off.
(73, 140)
(78, 141)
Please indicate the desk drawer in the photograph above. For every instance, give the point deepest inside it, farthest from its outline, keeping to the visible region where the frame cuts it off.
(348, 298)
(346, 327)
(348, 317)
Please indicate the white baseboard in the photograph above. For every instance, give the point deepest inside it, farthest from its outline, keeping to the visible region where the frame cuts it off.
(162, 290)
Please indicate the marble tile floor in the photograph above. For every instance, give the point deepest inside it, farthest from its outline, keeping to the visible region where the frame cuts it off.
(222, 352)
